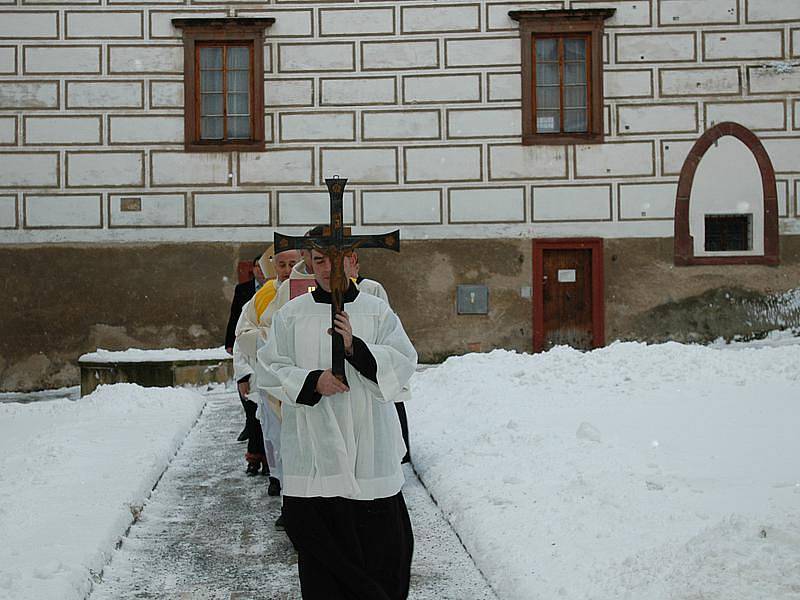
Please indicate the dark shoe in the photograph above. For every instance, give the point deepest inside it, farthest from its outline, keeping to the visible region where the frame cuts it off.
(280, 525)
(274, 488)
(243, 436)
(252, 469)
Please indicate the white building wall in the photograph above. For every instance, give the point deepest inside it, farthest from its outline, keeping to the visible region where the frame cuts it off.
(417, 104)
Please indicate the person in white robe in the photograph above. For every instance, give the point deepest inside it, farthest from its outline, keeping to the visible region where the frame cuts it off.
(342, 444)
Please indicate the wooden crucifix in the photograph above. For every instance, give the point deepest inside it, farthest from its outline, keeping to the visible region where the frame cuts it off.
(336, 242)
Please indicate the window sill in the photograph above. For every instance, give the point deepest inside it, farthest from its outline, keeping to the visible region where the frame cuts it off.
(687, 261)
(551, 139)
(230, 147)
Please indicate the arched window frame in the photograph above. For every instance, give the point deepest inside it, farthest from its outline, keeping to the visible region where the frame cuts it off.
(684, 244)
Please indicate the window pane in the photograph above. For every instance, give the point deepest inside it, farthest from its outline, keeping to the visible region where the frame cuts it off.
(238, 127)
(575, 120)
(238, 81)
(728, 233)
(548, 98)
(238, 104)
(574, 73)
(211, 105)
(574, 49)
(546, 49)
(211, 128)
(574, 96)
(211, 58)
(211, 81)
(238, 57)
(547, 74)
(547, 121)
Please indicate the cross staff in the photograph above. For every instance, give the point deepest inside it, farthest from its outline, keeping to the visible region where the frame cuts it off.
(336, 242)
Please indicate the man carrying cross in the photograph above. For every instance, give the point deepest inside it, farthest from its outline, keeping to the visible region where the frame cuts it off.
(341, 440)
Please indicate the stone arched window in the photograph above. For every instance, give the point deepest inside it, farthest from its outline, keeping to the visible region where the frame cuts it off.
(726, 209)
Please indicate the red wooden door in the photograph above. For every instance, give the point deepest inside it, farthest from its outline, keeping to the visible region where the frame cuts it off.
(568, 306)
(567, 298)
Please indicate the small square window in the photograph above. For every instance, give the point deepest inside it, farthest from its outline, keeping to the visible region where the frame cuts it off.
(562, 75)
(223, 83)
(728, 233)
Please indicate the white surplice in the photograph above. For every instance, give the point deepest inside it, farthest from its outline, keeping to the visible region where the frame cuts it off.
(350, 444)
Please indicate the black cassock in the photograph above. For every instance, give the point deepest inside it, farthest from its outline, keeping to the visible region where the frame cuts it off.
(351, 549)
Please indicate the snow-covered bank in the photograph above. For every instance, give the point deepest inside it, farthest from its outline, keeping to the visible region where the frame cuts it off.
(631, 472)
(71, 475)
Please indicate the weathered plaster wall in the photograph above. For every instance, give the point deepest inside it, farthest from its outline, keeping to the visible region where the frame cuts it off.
(64, 300)
(648, 298)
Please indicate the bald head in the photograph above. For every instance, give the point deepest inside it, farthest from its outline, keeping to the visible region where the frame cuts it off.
(283, 263)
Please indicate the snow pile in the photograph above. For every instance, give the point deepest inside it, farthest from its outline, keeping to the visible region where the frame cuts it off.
(73, 475)
(631, 472)
(162, 355)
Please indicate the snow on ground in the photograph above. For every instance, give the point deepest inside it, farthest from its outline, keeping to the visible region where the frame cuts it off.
(72, 473)
(161, 355)
(631, 472)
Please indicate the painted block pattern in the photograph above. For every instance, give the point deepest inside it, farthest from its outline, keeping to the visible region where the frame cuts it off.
(29, 94)
(104, 24)
(29, 169)
(8, 212)
(441, 88)
(416, 103)
(231, 209)
(277, 167)
(514, 162)
(661, 118)
(758, 116)
(62, 130)
(700, 82)
(101, 169)
(105, 94)
(571, 203)
(62, 59)
(639, 201)
(179, 169)
(8, 131)
(500, 122)
(145, 130)
(440, 163)
(63, 211)
(358, 90)
(429, 19)
(487, 205)
(733, 45)
(311, 208)
(423, 54)
(615, 160)
(691, 12)
(356, 22)
(29, 25)
(317, 127)
(401, 206)
(362, 165)
(157, 210)
(397, 125)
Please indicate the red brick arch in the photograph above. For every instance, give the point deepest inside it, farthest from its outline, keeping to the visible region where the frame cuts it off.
(684, 246)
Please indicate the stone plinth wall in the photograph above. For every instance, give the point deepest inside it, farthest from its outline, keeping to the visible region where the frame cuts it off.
(62, 301)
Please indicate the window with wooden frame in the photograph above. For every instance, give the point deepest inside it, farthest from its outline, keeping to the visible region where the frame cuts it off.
(562, 75)
(223, 83)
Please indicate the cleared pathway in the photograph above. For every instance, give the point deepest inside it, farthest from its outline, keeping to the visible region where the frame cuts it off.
(207, 531)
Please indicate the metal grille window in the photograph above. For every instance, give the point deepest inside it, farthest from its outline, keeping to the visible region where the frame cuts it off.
(224, 83)
(728, 233)
(562, 84)
(224, 73)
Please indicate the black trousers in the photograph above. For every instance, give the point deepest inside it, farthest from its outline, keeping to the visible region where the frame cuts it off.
(351, 549)
(255, 437)
(401, 414)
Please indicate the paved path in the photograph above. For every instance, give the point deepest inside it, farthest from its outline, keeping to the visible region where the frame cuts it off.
(207, 531)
